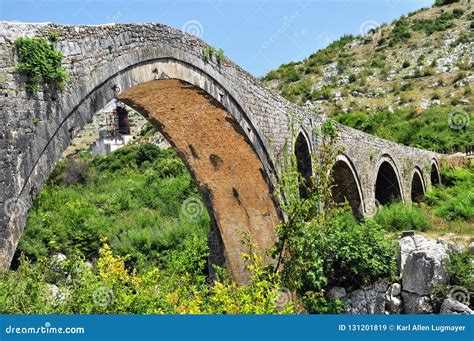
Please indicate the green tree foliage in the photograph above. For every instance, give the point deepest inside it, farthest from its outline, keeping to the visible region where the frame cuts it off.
(40, 63)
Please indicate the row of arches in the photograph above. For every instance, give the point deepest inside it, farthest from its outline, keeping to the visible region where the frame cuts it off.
(347, 186)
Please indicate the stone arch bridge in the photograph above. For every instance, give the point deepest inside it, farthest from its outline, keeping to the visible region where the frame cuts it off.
(226, 126)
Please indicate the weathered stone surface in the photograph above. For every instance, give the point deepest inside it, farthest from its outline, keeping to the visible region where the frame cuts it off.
(56, 261)
(424, 266)
(336, 293)
(416, 304)
(451, 306)
(141, 53)
(367, 300)
(55, 295)
(394, 289)
(393, 304)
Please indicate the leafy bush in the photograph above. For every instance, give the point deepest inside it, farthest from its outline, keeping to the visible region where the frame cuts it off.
(400, 217)
(355, 253)
(290, 75)
(460, 269)
(147, 152)
(40, 62)
(400, 32)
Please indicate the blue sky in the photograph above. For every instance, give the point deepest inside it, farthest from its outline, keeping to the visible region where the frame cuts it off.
(259, 35)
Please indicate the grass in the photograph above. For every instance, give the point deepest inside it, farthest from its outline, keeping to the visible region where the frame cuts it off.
(400, 217)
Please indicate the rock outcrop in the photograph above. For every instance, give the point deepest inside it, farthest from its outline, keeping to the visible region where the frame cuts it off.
(422, 267)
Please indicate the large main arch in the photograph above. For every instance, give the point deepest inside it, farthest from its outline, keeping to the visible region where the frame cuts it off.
(206, 125)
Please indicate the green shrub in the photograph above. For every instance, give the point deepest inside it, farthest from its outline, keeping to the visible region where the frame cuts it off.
(400, 32)
(147, 152)
(290, 75)
(317, 248)
(355, 253)
(441, 23)
(400, 217)
(460, 269)
(39, 62)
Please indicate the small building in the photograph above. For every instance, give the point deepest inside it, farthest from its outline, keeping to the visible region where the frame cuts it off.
(116, 135)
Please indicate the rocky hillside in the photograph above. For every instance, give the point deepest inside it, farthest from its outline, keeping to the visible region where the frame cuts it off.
(423, 59)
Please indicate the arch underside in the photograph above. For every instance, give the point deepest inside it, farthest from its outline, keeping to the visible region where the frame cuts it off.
(387, 185)
(219, 156)
(417, 188)
(346, 188)
(435, 177)
(303, 163)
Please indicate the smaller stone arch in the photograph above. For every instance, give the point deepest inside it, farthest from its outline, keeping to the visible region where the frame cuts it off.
(304, 163)
(435, 175)
(417, 186)
(387, 182)
(346, 185)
